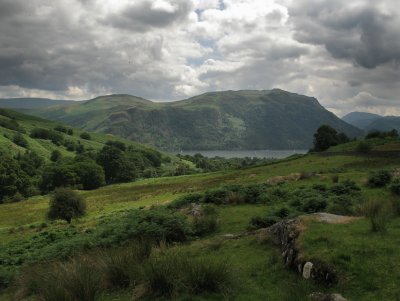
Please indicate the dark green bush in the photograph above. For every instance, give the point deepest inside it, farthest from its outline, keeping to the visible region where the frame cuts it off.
(379, 179)
(85, 136)
(158, 224)
(185, 200)
(259, 222)
(66, 204)
(20, 140)
(215, 196)
(346, 187)
(312, 205)
(282, 212)
(55, 155)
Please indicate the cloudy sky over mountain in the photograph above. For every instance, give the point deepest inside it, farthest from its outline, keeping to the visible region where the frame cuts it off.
(345, 53)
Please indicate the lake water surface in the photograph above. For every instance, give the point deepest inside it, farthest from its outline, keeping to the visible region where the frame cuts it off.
(277, 154)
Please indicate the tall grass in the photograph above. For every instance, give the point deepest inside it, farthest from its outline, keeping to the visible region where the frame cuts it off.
(160, 273)
(379, 214)
(75, 280)
(174, 273)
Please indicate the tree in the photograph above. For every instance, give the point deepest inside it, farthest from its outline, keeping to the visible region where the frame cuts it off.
(66, 204)
(12, 178)
(58, 175)
(90, 174)
(117, 167)
(324, 138)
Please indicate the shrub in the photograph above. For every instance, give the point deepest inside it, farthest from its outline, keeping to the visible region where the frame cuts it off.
(379, 179)
(259, 222)
(341, 205)
(20, 140)
(363, 147)
(282, 212)
(55, 155)
(346, 187)
(320, 187)
(157, 224)
(215, 196)
(206, 223)
(120, 145)
(66, 204)
(85, 136)
(312, 205)
(378, 213)
(185, 200)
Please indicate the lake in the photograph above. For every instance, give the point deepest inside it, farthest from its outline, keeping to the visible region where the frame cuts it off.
(277, 154)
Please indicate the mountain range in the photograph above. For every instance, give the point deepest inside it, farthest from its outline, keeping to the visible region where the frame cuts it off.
(248, 119)
(30, 103)
(370, 122)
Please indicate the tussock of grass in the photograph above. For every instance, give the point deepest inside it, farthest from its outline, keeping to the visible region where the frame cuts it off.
(163, 273)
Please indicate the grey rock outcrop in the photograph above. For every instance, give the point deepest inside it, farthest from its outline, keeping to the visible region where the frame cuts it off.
(285, 234)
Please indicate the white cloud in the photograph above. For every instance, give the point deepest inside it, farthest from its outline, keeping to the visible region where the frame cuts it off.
(172, 49)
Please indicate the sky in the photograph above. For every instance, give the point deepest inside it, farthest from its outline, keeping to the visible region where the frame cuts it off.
(344, 53)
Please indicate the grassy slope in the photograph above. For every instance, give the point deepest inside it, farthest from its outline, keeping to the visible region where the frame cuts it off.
(45, 147)
(259, 266)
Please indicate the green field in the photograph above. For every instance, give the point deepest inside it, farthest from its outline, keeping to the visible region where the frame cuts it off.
(367, 263)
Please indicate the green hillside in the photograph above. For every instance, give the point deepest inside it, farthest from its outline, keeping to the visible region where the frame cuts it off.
(39, 155)
(44, 147)
(272, 119)
(359, 258)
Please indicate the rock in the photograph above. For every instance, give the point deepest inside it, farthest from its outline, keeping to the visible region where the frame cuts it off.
(195, 209)
(326, 297)
(284, 234)
(307, 270)
(228, 236)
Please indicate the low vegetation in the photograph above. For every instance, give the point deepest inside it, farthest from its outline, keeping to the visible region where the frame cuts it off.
(149, 272)
(180, 238)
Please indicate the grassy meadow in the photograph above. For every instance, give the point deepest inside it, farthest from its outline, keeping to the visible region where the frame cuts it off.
(367, 262)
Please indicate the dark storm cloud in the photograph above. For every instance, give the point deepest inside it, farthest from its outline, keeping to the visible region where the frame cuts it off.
(9, 8)
(360, 31)
(144, 15)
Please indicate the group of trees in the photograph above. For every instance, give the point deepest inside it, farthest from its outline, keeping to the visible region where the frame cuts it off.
(29, 174)
(326, 136)
(220, 163)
